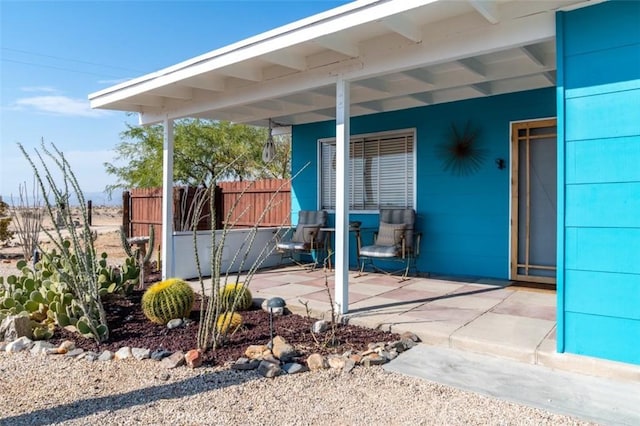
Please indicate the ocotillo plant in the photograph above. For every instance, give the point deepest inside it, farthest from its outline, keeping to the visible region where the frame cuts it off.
(27, 218)
(77, 250)
(210, 336)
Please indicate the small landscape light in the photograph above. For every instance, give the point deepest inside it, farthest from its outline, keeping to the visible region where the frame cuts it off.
(274, 302)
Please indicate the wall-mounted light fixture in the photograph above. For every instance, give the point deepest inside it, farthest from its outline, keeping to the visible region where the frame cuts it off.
(500, 163)
(269, 149)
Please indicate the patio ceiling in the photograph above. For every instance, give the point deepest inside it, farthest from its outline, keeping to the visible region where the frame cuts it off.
(396, 54)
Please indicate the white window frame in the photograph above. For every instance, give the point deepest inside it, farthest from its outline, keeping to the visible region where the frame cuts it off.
(411, 132)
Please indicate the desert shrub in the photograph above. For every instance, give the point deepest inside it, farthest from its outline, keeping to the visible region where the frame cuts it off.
(167, 300)
(5, 234)
(235, 296)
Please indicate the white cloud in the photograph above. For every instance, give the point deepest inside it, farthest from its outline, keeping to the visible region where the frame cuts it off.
(44, 89)
(59, 105)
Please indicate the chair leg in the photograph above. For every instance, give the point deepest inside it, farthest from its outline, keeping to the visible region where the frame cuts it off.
(404, 271)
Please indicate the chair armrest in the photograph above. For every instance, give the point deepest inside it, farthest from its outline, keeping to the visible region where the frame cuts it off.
(359, 235)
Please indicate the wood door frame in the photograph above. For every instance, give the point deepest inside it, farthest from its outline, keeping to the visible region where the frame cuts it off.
(515, 174)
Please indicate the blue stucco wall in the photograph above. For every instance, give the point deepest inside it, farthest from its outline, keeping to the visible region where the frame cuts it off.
(464, 219)
(599, 181)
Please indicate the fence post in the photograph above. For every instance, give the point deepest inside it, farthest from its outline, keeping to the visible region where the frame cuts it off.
(126, 213)
(89, 210)
(219, 204)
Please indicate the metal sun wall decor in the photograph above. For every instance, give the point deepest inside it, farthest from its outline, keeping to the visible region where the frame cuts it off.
(461, 153)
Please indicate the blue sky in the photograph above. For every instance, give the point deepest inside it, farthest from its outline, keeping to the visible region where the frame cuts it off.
(54, 53)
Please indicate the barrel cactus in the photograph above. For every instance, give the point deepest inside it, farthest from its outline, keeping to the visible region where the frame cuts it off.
(167, 300)
(235, 293)
(228, 322)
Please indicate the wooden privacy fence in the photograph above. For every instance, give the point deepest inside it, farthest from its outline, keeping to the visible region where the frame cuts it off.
(143, 207)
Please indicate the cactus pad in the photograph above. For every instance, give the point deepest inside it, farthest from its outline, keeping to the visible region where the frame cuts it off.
(168, 299)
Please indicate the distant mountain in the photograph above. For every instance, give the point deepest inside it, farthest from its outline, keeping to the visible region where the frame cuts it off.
(96, 198)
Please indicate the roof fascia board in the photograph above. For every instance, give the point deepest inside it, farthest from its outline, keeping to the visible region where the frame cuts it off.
(362, 13)
(448, 47)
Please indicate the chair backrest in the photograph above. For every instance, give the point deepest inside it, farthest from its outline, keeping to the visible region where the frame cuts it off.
(317, 218)
(406, 217)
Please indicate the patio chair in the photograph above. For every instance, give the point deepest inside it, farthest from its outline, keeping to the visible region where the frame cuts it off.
(305, 239)
(396, 239)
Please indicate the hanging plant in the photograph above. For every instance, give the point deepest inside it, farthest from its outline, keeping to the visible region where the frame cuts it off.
(461, 154)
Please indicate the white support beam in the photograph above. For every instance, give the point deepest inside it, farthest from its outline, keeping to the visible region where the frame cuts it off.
(420, 75)
(244, 73)
(376, 84)
(289, 60)
(482, 88)
(488, 9)
(168, 261)
(209, 82)
(174, 91)
(401, 25)
(474, 65)
(425, 98)
(376, 106)
(304, 99)
(532, 53)
(343, 139)
(551, 76)
(339, 45)
(148, 100)
(325, 112)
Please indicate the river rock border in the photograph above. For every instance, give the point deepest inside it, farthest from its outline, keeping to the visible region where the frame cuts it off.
(271, 360)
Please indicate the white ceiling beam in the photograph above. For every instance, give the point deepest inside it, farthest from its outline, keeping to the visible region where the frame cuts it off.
(174, 92)
(482, 88)
(401, 25)
(550, 76)
(349, 16)
(441, 48)
(376, 106)
(424, 97)
(269, 105)
(474, 65)
(286, 59)
(210, 82)
(534, 54)
(150, 101)
(340, 45)
(420, 75)
(487, 8)
(243, 72)
(325, 112)
(376, 84)
(304, 99)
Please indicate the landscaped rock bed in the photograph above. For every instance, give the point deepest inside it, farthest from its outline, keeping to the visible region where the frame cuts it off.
(296, 347)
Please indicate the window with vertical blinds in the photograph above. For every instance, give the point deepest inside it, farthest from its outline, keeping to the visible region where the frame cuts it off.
(381, 169)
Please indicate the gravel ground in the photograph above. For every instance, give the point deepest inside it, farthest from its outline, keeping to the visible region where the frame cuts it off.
(37, 390)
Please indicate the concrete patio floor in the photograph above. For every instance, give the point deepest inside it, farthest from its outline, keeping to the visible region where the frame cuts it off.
(489, 317)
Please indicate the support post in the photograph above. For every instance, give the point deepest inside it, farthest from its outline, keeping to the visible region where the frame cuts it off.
(167, 201)
(342, 197)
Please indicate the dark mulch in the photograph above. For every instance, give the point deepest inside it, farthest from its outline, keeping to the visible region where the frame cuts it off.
(129, 327)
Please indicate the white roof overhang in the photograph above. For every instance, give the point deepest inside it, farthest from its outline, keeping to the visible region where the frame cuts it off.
(397, 54)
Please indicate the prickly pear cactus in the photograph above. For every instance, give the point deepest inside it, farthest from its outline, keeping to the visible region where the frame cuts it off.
(235, 293)
(168, 299)
(228, 322)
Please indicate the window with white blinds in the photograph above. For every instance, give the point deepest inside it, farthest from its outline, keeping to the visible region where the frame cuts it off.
(381, 168)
